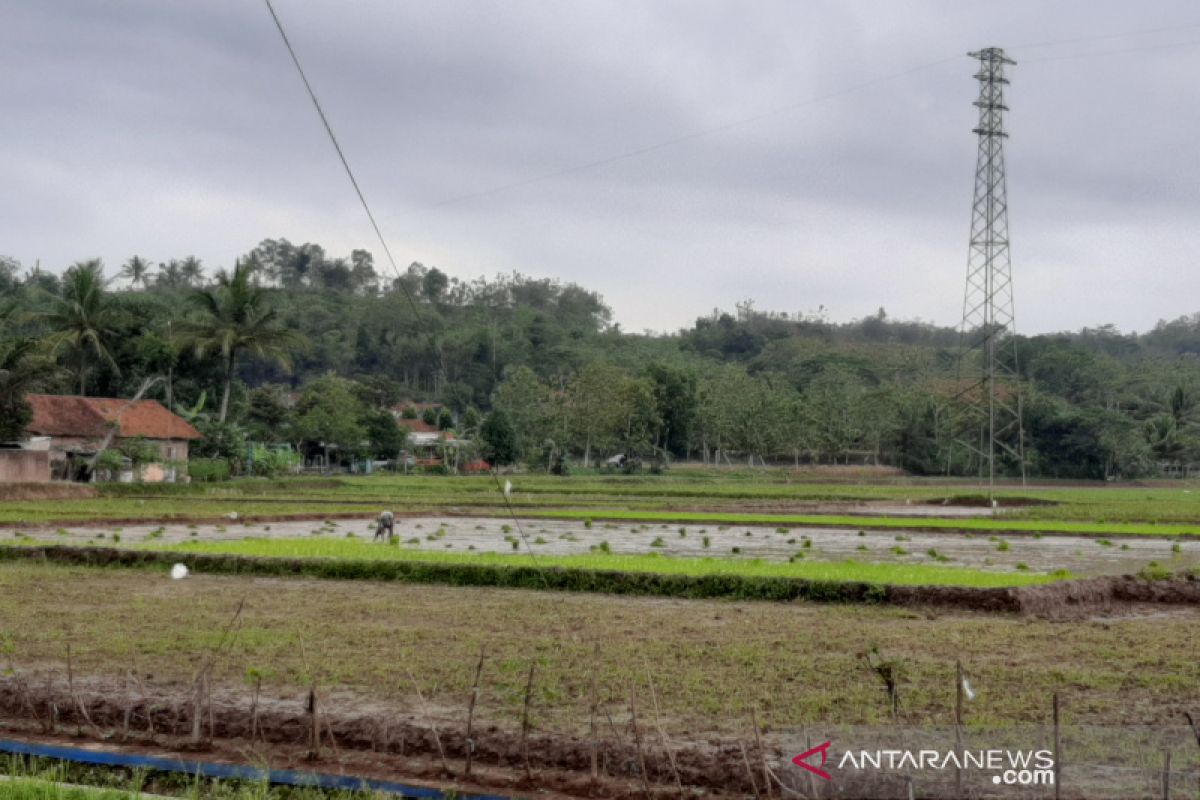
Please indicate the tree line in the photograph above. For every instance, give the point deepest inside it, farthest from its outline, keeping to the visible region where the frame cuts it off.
(291, 345)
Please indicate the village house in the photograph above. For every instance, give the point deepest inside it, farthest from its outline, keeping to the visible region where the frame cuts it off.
(72, 429)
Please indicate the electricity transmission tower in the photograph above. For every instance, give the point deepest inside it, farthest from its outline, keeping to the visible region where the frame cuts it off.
(989, 423)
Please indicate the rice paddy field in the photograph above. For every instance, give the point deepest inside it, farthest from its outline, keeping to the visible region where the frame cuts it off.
(127, 642)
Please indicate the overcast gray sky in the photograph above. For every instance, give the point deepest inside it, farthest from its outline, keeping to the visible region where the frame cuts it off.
(176, 128)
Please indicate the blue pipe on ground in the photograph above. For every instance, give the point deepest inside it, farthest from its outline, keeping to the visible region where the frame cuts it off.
(231, 771)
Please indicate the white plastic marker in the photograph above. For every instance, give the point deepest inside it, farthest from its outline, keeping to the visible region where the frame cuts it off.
(967, 689)
(179, 572)
(508, 488)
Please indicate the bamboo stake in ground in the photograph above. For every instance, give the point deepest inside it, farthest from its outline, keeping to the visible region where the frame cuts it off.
(749, 771)
(437, 739)
(75, 698)
(637, 738)
(471, 714)
(662, 733)
(762, 752)
(525, 722)
(958, 723)
(1057, 751)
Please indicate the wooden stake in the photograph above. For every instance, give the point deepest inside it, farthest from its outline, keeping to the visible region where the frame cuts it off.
(1057, 751)
(637, 739)
(762, 752)
(958, 725)
(471, 713)
(592, 745)
(525, 722)
(437, 740)
(83, 713)
(749, 771)
(314, 731)
(662, 733)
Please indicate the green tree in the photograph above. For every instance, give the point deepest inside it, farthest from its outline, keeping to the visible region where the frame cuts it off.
(328, 416)
(22, 370)
(237, 317)
(499, 439)
(83, 318)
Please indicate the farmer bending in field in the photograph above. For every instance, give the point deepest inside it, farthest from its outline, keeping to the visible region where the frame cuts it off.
(387, 522)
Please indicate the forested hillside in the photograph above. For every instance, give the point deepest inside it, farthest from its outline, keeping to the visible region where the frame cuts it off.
(297, 346)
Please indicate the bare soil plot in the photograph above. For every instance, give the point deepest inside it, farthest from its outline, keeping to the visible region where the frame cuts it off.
(137, 634)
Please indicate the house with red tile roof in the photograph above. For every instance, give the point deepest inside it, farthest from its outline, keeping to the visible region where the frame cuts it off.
(70, 426)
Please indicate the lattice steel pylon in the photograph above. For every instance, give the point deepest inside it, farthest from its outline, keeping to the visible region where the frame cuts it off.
(988, 422)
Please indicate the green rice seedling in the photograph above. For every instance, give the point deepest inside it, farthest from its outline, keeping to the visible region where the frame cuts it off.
(516, 545)
(806, 543)
(735, 550)
(605, 547)
(863, 548)
(116, 537)
(1175, 547)
(61, 531)
(706, 541)
(1124, 546)
(587, 523)
(792, 540)
(862, 533)
(658, 542)
(1104, 542)
(1022, 566)
(539, 540)
(784, 531)
(682, 532)
(1003, 546)
(413, 540)
(900, 537)
(900, 551)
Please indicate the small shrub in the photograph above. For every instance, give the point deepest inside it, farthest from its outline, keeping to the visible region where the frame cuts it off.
(1154, 572)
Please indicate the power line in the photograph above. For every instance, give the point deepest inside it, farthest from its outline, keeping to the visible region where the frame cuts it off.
(1140, 49)
(367, 208)
(341, 155)
(687, 137)
(1106, 36)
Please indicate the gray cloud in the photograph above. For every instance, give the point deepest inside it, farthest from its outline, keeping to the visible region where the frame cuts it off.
(174, 128)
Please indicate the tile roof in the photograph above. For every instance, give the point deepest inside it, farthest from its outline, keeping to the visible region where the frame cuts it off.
(89, 417)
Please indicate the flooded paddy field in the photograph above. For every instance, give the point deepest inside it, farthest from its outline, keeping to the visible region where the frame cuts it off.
(1081, 555)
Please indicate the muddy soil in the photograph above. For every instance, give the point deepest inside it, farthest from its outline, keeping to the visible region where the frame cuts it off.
(1082, 556)
(359, 736)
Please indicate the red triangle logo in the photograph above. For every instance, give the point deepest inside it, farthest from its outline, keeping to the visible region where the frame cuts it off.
(802, 760)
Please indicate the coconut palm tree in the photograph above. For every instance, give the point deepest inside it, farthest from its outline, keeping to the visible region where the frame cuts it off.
(192, 271)
(82, 317)
(137, 271)
(236, 317)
